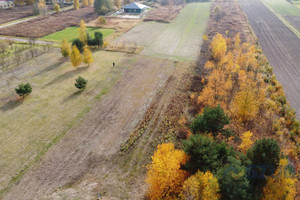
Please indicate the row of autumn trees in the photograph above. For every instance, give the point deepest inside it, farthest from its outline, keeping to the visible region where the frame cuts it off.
(225, 155)
(79, 51)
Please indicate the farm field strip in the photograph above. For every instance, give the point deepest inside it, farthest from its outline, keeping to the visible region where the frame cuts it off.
(180, 39)
(281, 47)
(48, 24)
(15, 13)
(21, 14)
(56, 104)
(27, 127)
(283, 7)
(288, 13)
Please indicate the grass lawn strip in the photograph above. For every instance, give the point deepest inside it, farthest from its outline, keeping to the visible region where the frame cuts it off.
(71, 33)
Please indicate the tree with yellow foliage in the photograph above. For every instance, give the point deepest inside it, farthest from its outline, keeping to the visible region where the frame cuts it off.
(246, 141)
(218, 47)
(246, 101)
(245, 105)
(76, 57)
(87, 55)
(117, 3)
(76, 4)
(82, 32)
(280, 186)
(57, 8)
(237, 41)
(65, 48)
(202, 186)
(91, 2)
(85, 3)
(164, 176)
(217, 89)
(42, 8)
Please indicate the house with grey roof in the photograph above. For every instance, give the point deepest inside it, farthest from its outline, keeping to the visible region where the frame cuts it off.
(135, 8)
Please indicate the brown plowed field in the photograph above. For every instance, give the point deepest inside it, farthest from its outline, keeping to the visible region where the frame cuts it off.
(49, 24)
(281, 47)
(15, 13)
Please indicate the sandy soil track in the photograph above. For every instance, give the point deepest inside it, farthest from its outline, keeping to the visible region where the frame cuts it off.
(281, 47)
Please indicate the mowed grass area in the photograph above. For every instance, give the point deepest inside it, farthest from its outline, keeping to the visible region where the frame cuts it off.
(28, 128)
(283, 7)
(296, 3)
(181, 39)
(71, 33)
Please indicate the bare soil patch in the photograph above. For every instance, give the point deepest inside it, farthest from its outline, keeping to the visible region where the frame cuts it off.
(163, 13)
(121, 25)
(294, 20)
(45, 25)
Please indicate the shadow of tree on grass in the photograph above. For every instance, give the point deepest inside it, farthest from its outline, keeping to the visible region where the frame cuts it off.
(72, 96)
(66, 75)
(52, 67)
(10, 105)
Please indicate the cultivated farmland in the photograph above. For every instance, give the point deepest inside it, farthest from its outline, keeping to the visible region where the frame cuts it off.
(281, 47)
(289, 12)
(29, 128)
(15, 13)
(180, 39)
(283, 7)
(48, 24)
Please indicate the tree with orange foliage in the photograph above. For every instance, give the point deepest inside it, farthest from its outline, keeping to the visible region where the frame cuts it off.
(218, 47)
(246, 141)
(217, 89)
(202, 186)
(247, 57)
(164, 176)
(280, 186)
(246, 102)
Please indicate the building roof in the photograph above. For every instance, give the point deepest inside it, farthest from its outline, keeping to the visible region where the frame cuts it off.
(135, 5)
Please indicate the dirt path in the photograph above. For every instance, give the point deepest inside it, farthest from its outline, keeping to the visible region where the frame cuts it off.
(281, 47)
(99, 135)
(15, 39)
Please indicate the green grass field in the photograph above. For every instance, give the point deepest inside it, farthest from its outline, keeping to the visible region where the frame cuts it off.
(71, 33)
(181, 39)
(296, 3)
(283, 7)
(28, 128)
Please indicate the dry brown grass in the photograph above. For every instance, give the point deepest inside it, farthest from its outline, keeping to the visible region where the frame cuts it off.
(15, 13)
(45, 25)
(164, 13)
(120, 24)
